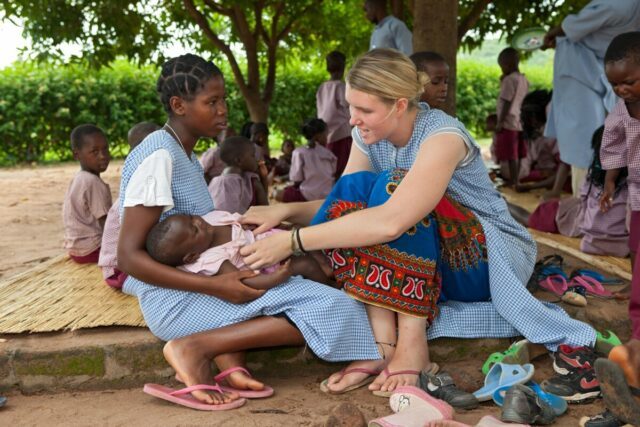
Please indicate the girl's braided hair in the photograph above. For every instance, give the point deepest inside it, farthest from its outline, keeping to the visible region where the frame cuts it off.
(596, 174)
(184, 76)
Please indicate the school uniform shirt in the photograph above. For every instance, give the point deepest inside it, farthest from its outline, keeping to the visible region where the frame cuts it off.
(581, 93)
(621, 147)
(233, 192)
(211, 162)
(392, 33)
(88, 199)
(108, 260)
(333, 108)
(542, 154)
(513, 89)
(315, 169)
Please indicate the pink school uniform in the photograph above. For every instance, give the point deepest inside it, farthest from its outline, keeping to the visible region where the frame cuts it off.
(315, 169)
(333, 108)
(211, 162)
(88, 199)
(233, 192)
(210, 260)
(108, 259)
(542, 159)
(508, 144)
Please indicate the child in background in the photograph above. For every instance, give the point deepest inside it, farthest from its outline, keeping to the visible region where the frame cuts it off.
(313, 168)
(510, 147)
(210, 245)
(436, 89)
(108, 260)
(283, 164)
(260, 137)
(602, 234)
(621, 148)
(334, 110)
(88, 198)
(243, 182)
(210, 160)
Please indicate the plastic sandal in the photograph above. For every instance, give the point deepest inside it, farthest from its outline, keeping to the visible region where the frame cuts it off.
(372, 374)
(183, 397)
(606, 341)
(413, 407)
(599, 277)
(551, 264)
(591, 285)
(555, 283)
(558, 404)
(249, 394)
(503, 375)
(516, 354)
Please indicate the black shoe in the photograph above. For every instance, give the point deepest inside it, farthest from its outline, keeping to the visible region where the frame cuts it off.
(523, 405)
(605, 419)
(619, 398)
(441, 386)
(578, 386)
(568, 359)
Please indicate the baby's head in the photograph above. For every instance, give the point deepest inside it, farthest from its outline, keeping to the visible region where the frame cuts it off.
(91, 148)
(178, 240)
(238, 151)
(435, 66)
(139, 132)
(622, 66)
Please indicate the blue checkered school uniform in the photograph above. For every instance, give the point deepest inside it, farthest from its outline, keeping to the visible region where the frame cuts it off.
(511, 251)
(334, 326)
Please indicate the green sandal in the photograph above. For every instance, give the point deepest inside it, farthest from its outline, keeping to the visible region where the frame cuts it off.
(516, 354)
(605, 341)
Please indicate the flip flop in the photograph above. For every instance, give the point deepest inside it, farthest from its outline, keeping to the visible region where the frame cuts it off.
(413, 407)
(599, 277)
(606, 341)
(503, 375)
(558, 404)
(619, 397)
(433, 369)
(551, 264)
(516, 354)
(555, 283)
(371, 372)
(249, 394)
(591, 286)
(183, 397)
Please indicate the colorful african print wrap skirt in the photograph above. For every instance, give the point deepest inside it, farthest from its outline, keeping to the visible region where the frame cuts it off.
(406, 274)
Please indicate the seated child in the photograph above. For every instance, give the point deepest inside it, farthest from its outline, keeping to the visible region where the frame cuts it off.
(210, 244)
(210, 160)
(239, 186)
(435, 91)
(602, 234)
(88, 198)
(108, 249)
(283, 164)
(260, 137)
(313, 167)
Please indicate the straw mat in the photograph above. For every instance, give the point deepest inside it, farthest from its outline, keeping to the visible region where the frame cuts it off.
(62, 295)
(569, 245)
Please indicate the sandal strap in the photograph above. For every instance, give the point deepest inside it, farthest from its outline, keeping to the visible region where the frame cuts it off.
(348, 371)
(224, 374)
(197, 387)
(401, 372)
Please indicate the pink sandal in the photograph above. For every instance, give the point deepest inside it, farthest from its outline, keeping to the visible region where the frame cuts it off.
(556, 284)
(183, 397)
(249, 394)
(591, 285)
(371, 372)
(414, 408)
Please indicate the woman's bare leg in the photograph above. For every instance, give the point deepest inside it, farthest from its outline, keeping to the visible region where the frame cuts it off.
(411, 353)
(383, 324)
(191, 356)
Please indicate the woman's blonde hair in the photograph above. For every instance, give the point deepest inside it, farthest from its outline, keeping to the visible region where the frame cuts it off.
(388, 74)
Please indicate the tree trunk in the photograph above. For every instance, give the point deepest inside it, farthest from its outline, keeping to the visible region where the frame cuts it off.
(435, 28)
(258, 109)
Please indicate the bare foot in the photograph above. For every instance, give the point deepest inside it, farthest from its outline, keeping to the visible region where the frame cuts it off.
(339, 381)
(413, 360)
(193, 368)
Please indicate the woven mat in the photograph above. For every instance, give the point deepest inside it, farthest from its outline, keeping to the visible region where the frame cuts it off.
(62, 295)
(569, 245)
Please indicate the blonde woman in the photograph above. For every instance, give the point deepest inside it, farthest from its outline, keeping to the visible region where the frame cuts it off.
(416, 214)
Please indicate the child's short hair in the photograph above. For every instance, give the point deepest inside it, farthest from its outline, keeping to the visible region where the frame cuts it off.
(509, 53)
(232, 147)
(424, 58)
(534, 105)
(184, 76)
(259, 128)
(336, 62)
(312, 127)
(246, 129)
(139, 132)
(159, 245)
(624, 46)
(79, 134)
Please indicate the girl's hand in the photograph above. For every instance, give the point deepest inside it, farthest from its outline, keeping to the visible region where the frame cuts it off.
(264, 217)
(267, 251)
(229, 287)
(606, 199)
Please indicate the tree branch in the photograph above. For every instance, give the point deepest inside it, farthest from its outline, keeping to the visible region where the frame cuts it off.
(260, 31)
(217, 8)
(472, 18)
(287, 28)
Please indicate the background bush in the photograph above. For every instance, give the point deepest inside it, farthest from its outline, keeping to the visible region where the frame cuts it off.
(41, 104)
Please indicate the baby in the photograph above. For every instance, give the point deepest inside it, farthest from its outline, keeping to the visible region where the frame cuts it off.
(210, 244)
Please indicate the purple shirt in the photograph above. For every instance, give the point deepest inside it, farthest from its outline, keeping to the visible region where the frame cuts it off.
(315, 169)
(232, 192)
(333, 108)
(621, 147)
(211, 162)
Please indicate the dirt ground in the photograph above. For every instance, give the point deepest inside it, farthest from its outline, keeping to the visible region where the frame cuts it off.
(30, 219)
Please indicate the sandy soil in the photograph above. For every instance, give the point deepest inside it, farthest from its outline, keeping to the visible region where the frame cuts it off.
(30, 217)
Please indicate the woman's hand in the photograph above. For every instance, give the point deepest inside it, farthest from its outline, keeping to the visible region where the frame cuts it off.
(229, 287)
(267, 251)
(550, 38)
(264, 217)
